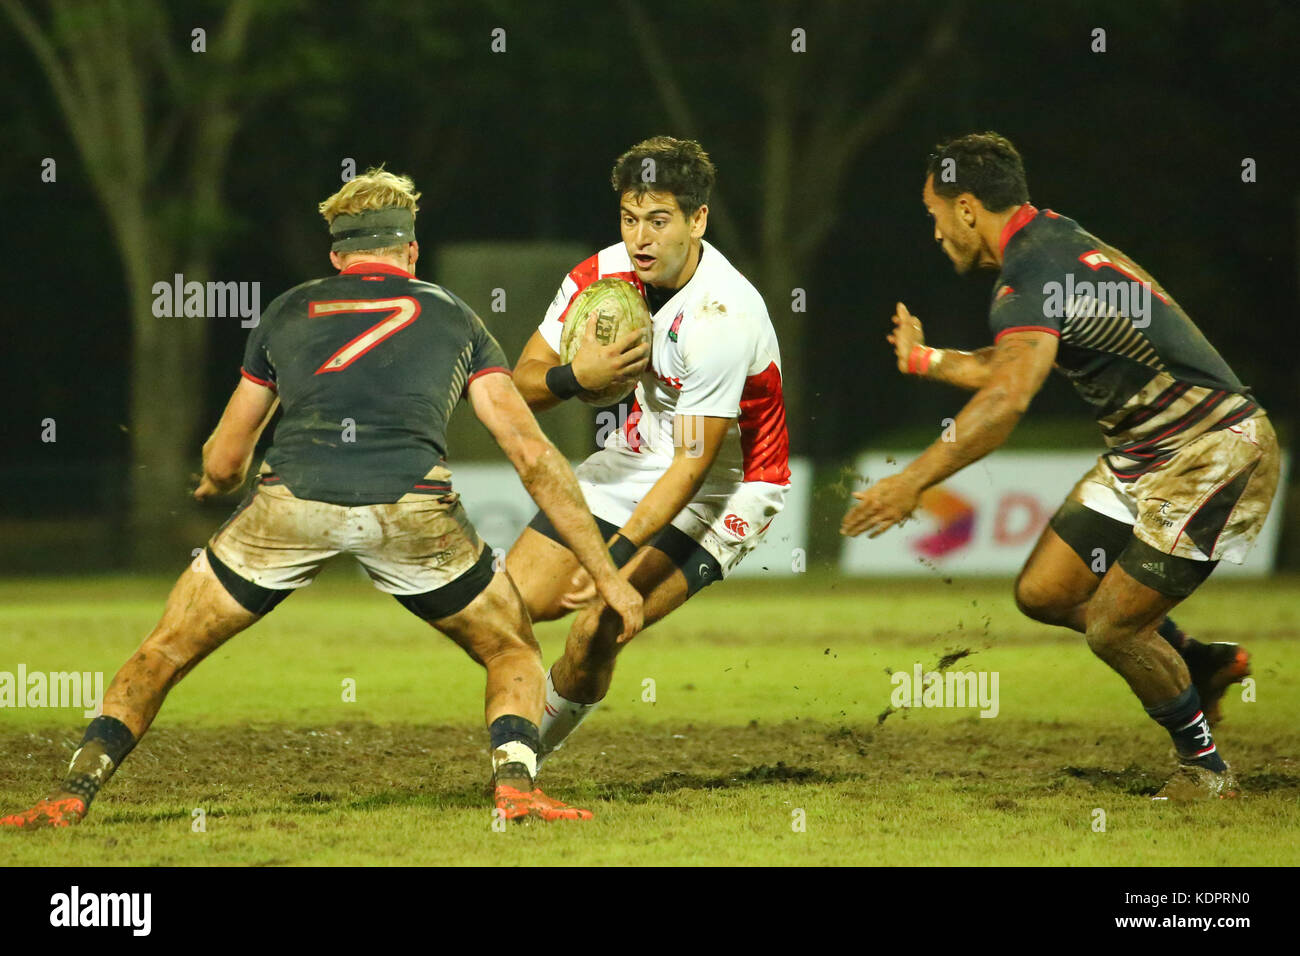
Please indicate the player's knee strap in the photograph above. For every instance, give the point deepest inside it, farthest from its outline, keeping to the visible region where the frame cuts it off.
(1086, 531)
(1171, 575)
(688, 555)
(252, 597)
(454, 597)
(699, 567)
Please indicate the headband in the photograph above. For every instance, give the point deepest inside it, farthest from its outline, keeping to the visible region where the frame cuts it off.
(372, 229)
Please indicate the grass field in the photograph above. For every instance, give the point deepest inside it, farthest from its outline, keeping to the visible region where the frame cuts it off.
(767, 710)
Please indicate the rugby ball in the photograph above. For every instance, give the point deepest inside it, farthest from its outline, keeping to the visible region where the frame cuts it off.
(617, 308)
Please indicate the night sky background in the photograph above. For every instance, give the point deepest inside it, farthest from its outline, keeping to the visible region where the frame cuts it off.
(1143, 144)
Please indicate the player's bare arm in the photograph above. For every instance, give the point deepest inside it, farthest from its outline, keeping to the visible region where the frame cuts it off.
(968, 370)
(1018, 367)
(550, 482)
(594, 368)
(535, 361)
(228, 452)
(696, 441)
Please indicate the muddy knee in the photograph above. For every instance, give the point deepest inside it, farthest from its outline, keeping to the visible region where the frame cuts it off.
(498, 626)
(1041, 603)
(1108, 640)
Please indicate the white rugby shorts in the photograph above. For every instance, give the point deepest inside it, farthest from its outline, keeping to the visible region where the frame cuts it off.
(727, 518)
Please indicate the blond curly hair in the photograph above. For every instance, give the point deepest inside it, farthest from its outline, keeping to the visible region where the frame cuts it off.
(376, 188)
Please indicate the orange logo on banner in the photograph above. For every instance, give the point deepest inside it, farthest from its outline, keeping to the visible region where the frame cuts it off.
(956, 518)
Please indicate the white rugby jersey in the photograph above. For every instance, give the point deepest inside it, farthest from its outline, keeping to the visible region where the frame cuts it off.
(713, 353)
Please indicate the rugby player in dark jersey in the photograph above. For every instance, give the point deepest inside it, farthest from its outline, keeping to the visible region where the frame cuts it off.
(368, 366)
(1192, 461)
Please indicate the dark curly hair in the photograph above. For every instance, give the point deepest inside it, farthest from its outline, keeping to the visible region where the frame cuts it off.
(986, 165)
(679, 166)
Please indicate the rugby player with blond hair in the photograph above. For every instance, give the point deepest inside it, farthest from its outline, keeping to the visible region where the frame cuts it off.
(392, 355)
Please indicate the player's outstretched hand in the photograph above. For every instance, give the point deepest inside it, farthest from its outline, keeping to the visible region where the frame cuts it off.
(625, 601)
(597, 366)
(881, 506)
(582, 591)
(906, 336)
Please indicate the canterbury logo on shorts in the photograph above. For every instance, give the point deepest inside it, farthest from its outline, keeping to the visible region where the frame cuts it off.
(736, 525)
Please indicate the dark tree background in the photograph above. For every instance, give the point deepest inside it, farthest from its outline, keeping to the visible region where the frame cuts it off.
(820, 158)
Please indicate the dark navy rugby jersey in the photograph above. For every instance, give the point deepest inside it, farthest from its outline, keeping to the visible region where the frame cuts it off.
(372, 354)
(1153, 380)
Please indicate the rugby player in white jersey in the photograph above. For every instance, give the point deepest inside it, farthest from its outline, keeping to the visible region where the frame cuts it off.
(691, 480)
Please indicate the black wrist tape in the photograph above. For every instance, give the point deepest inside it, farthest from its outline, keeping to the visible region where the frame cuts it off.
(562, 382)
(622, 550)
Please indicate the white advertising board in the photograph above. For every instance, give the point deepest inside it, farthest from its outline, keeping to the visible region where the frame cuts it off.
(985, 519)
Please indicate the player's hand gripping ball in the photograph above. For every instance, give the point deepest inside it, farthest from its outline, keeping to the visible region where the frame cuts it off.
(616, 308)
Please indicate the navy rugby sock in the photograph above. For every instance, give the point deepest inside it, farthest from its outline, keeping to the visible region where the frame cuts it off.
(1183, 718)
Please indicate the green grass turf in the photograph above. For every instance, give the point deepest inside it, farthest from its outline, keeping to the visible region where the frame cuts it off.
(767, 709)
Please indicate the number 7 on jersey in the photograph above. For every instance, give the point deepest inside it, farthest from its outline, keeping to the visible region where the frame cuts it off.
(401, 311)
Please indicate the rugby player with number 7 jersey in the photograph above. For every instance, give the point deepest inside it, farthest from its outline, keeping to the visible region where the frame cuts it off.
(1191, 464)
(368, 366)
(691, 481)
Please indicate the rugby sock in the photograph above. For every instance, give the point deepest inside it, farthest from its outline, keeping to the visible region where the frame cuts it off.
(515, 742)
(1172, 633)
(1186, 723)
(560, 717)
(105, 745)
